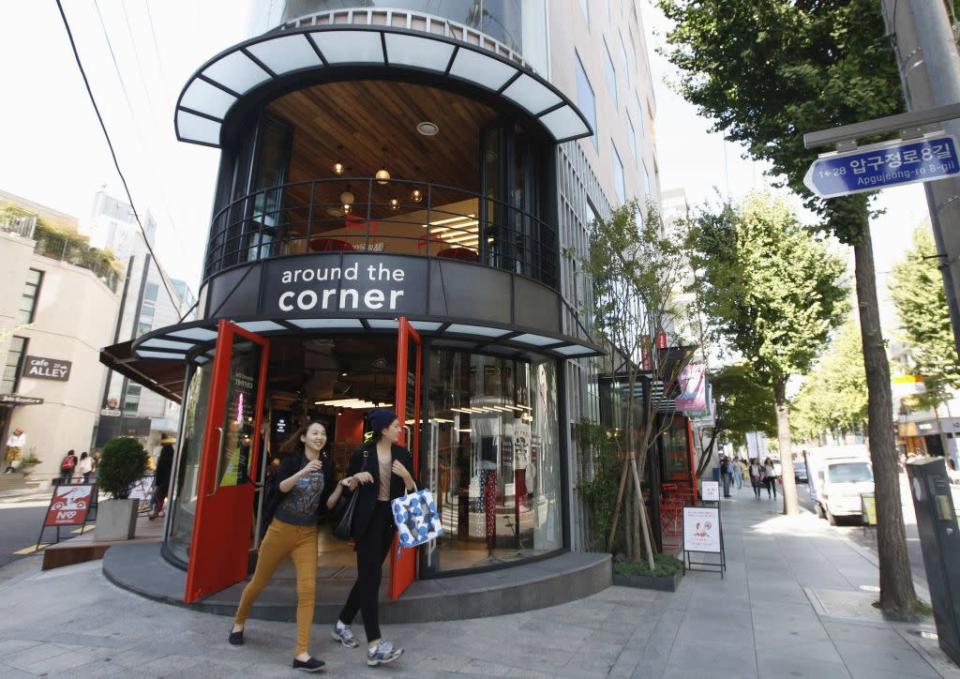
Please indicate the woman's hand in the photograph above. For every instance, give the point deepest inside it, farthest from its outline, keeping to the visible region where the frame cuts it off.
(363, 478)
(310, 467)
(350, 483)
(402, 472)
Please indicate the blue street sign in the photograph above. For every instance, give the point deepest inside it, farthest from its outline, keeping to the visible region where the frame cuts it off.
(878, 166)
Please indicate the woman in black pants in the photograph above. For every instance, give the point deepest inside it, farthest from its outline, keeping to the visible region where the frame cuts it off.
(379, 471)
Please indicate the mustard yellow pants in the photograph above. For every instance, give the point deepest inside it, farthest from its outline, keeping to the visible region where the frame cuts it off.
(300, 542)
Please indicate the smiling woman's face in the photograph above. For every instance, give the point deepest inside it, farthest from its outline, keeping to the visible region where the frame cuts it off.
(315, 437)
(393, 432)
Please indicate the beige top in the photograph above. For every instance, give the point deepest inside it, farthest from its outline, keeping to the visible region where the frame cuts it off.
(385, 472)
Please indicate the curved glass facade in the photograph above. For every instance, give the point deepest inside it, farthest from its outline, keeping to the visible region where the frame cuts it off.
(499, 19)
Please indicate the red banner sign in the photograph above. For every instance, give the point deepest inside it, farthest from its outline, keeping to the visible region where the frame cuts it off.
(69, 505)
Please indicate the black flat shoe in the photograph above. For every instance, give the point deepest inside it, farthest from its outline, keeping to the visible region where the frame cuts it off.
(310, 665)
(236, 638)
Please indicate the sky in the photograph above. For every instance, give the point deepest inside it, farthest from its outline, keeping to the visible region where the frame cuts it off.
(139, 53)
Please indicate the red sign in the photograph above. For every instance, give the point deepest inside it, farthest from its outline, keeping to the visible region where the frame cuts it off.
(69, 505)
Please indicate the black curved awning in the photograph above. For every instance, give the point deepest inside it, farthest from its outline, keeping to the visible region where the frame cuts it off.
(255, 68)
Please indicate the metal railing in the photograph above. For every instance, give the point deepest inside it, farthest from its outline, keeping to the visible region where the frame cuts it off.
(64, 248)
(398, 216)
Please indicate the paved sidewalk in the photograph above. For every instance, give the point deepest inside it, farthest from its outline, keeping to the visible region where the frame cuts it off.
(792, 604)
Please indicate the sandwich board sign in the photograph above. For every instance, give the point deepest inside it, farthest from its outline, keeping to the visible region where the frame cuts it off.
(703, 534)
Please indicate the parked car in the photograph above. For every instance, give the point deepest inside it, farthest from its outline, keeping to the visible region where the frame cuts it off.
(839, 475)
(800, 471)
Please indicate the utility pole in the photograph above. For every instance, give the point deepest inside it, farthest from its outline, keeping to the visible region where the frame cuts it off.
(926, 52)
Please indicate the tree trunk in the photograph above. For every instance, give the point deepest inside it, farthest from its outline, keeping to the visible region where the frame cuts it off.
(641, 506)
(897, 596)
(790, 505)
(618, 506)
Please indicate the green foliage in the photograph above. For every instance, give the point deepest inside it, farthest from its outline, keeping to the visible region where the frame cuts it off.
(598, 452)
(122, 463)
(769, 289)
(767, 71)
(665, 565)
(834, 395)
(30, 460)
(744, 404)
(918, 293)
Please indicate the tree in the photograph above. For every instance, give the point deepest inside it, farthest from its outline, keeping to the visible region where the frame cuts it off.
(767, 71)
(773, 293)
(834, 395)
(743, 404)
(917, 291)
(635, 270)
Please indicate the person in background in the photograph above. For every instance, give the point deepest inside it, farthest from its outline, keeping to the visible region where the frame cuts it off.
(85, 467)
(737, 472)
(770, 478)
(726, 475)
(67, 466)
(15, 443)
(96, 464)
(756, 477)
(161, 480)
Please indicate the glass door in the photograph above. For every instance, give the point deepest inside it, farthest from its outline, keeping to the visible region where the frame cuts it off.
(403, 562)
(228, 464)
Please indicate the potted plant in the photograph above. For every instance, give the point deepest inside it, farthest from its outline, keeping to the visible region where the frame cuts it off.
(122, 463)
(665, 576)
(28, 462)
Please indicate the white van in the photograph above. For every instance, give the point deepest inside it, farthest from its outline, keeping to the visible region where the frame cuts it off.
(838, 477)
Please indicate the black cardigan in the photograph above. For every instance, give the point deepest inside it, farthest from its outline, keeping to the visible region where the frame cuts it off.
(290, 465)
(367, 500)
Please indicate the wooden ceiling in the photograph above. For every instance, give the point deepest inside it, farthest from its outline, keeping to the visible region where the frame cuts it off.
(369, 124)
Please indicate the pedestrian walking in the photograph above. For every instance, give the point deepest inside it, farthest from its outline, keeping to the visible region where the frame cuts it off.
(737, 472)
(161, 479)
(725, 475)
(302, 491)
(770, 478)
(756, 477)
(379, 471)
(15, 445)
(85, 467)
(67, 466)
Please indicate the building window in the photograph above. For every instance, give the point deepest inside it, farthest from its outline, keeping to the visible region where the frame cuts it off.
(11, 371)
(131, 400)
(143, 327)
(586, 99)
(31, 291)
(645, 180)
(641, 111)
(618, 184)
(611, 74)
(150, 291)
(632, 137)
(585, 8)
(626, 63)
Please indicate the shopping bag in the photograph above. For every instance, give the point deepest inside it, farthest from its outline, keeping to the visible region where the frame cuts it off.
(416, 517)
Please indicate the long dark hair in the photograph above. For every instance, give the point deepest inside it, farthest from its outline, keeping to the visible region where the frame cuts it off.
(294, 446)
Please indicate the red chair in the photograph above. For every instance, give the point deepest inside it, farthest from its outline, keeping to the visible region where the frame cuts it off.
(458, 253)
(329, 245)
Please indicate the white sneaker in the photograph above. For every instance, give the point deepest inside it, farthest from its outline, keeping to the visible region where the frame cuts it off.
(382, 653)
(344, 635)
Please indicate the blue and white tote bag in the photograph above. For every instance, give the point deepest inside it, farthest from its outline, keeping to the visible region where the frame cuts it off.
(417, 518)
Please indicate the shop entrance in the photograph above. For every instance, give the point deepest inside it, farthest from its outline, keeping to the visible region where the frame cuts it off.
(261, 391)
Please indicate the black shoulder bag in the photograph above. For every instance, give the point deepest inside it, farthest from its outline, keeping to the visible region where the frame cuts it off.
(344, 527)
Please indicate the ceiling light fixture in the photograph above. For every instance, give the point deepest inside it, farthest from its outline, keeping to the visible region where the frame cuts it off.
(382, 176)
(416, 195)
(338, 169)
(394, 203)
(427, 128)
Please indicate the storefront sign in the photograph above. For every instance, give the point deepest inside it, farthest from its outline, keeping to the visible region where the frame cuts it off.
(69, 505)
(701, 529)
(692, 398)
(325, 285)
(711, 491)
(18, 400)
(43, 368)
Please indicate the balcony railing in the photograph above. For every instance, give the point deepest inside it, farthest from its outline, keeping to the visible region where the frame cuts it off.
(397, 216)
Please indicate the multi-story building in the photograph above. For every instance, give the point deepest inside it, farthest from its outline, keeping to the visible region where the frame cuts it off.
(59, 305)
(147, 304)
(415, 169)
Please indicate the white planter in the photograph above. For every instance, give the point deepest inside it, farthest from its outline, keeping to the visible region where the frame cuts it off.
(116, 520)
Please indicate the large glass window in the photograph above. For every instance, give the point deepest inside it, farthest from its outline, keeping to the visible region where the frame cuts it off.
(610, 73)
(632, 138)
(28, 302)
(626, 63)
(618, 182)
(11, 370)
(586, 100)
(493, 460)
(184, 503)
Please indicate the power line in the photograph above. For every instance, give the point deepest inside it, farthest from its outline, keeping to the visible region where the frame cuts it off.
(113, 153)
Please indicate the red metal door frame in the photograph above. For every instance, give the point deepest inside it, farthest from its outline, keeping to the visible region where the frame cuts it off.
(224, 519)
(403, 562)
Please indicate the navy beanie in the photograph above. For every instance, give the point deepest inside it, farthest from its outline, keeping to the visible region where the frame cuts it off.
(380, 419)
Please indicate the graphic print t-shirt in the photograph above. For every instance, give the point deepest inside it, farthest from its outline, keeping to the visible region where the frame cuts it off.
(300, 505)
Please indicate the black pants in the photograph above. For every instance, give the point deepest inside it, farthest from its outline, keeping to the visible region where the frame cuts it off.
(372, 548)
(771, 483)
